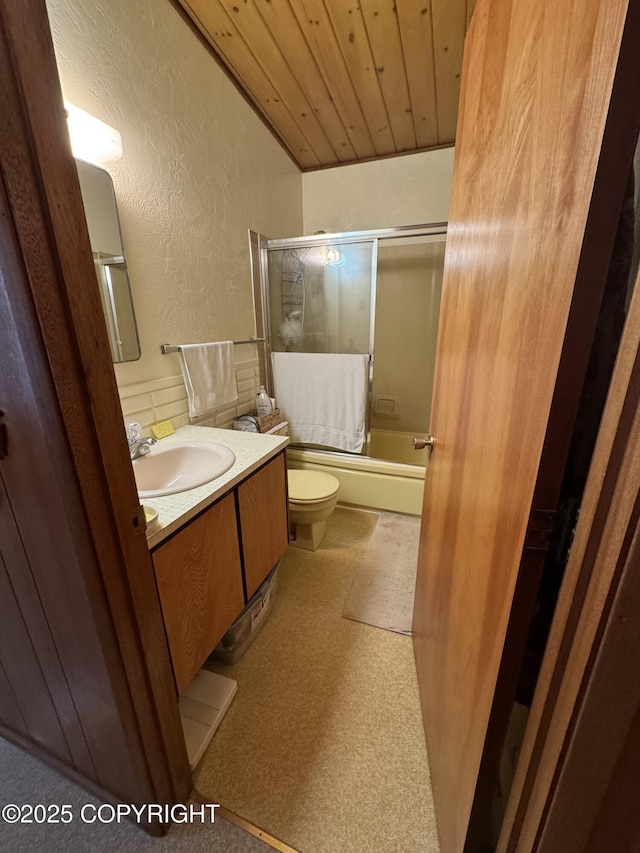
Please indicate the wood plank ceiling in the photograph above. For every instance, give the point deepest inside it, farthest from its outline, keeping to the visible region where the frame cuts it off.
(340, 81)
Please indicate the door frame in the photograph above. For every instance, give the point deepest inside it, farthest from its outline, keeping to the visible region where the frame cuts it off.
(35, 156)
(65, 322)
(601, 548)
(587, 629)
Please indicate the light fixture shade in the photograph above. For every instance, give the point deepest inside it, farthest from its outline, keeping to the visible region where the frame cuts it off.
(91, 139)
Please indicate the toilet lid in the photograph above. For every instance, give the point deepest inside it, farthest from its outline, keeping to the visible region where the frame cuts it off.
(311, 485)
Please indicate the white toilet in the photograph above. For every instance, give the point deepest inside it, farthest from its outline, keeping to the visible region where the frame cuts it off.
(312, 498)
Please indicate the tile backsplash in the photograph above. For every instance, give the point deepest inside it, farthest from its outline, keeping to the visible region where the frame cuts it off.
(166, 398)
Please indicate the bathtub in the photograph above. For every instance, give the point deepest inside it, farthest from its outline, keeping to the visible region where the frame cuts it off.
(369, 482)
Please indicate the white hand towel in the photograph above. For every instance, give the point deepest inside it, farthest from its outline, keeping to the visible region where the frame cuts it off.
(323, 396)
(209, 376)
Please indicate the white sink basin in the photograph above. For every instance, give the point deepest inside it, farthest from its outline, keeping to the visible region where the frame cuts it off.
(171, 468)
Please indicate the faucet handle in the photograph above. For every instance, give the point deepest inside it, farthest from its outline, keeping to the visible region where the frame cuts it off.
(134, 431)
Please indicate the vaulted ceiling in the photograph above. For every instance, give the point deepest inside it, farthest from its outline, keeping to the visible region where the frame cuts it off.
(341, 81)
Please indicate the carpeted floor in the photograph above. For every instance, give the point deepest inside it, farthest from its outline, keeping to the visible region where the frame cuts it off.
(323, 746)
(24, 779)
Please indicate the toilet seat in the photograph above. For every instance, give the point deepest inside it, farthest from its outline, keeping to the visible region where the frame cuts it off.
(311, 486)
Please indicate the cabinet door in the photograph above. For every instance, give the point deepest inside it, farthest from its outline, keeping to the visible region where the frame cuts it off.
(200, 582)
(263, 521)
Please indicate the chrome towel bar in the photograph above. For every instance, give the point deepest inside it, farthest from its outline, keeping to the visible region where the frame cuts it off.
(166, 349)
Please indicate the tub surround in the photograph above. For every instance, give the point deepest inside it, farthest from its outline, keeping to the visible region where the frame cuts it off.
(252, 450)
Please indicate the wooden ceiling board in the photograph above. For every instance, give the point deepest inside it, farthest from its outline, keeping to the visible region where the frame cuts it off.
(318, 30)
(217, 28)
(269, 54)
(449, 28)
(416, 32)
(381, 21)
(285, 29)
(340, 81)
(350, 30)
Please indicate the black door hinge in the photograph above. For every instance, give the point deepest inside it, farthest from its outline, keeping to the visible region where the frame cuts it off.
(540, 530)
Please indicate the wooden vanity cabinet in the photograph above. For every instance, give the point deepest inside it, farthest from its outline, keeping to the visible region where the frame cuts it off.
(199, 578)
(262, 510)
(208, 570)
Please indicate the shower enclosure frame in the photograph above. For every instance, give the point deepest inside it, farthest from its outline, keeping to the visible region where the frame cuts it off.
(259, 248)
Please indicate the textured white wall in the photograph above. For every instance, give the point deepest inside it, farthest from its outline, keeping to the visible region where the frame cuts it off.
(199, 169)
(403, 190)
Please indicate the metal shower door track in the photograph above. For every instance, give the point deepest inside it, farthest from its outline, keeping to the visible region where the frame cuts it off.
(431, 229)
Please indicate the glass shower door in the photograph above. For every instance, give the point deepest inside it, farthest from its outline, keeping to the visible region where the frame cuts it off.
(364, 293)
(321, 299)
(409, 286)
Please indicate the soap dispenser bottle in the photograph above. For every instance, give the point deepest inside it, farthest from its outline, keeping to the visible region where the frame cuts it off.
(263, 402)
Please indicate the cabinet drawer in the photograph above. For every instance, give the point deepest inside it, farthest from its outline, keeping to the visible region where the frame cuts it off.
(200, 583)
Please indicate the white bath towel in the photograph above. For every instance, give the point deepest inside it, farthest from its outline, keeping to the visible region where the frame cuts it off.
(323, 397)
(209, 376)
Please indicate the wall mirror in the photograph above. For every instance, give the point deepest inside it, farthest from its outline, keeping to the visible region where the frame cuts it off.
(100, 209)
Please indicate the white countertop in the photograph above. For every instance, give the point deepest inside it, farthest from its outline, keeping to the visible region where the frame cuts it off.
(251, 450)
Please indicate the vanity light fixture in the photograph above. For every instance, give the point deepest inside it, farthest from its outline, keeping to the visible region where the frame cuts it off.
(91, 139)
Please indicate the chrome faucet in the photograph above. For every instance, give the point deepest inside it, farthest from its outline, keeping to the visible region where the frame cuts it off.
(138, 446)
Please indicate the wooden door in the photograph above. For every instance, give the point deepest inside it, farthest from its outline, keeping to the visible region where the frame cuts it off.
(545, 138)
